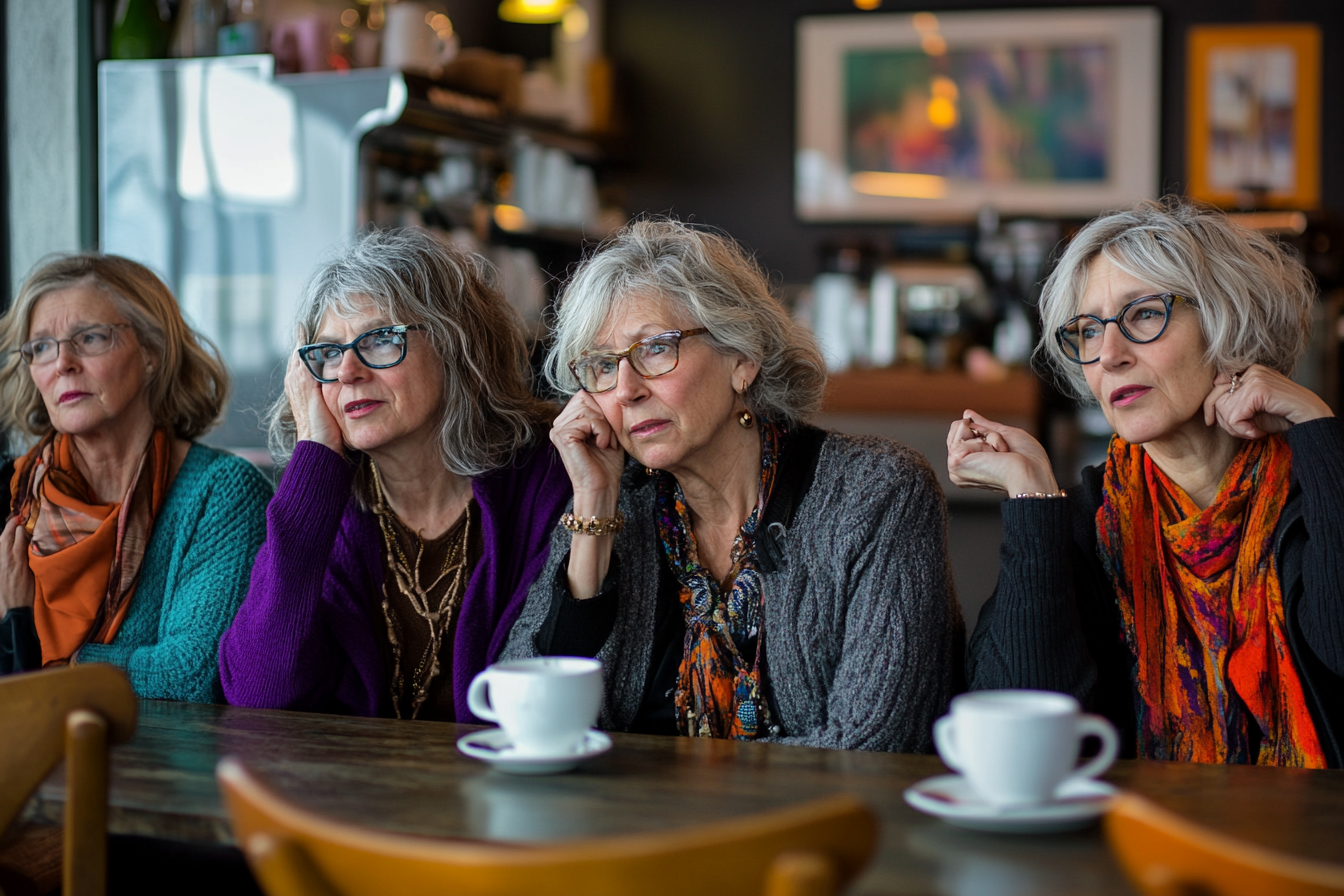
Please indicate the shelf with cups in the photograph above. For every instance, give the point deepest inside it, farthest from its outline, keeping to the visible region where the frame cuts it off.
(914, 390)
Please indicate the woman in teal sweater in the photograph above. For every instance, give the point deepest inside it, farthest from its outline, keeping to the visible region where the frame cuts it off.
(127, 542)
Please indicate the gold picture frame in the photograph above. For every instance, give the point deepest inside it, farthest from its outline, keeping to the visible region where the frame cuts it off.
(1253, 123)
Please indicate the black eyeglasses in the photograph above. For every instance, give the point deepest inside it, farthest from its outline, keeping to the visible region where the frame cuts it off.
(379, 349)
(98, 339)
(649, 357)
(1142, 320)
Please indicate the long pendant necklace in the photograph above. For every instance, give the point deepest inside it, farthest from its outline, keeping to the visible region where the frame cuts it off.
(438, 616)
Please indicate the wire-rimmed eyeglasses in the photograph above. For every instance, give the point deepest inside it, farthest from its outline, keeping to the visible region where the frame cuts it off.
(91, 341)
(1142, 321)
(650, 357)
(379, 349)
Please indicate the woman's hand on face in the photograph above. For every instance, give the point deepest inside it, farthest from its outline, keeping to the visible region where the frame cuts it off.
(16, 578)
(313, 422)
(1265, 401)
(591, 453)
(985, 454)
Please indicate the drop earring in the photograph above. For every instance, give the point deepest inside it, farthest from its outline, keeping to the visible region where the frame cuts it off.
(745, 419)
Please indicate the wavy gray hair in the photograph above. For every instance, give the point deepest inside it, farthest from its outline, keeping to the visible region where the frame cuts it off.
(489, 412)
(718, 285)
(1253, 296)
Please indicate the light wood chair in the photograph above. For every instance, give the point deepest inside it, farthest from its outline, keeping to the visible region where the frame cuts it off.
(73, 712)
(810, 850)
(1167, 855)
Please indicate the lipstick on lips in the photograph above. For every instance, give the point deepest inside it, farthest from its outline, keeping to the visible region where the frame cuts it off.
(72, 395)
(360, 407)
(1126, 395)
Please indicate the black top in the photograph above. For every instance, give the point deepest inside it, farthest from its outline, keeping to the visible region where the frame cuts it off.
(580, 627)
(1054, 620)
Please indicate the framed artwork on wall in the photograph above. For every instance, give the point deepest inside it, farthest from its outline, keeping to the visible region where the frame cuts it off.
(926, 116)
(1253, 118)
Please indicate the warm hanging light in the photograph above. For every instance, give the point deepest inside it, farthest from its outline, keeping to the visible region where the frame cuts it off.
(534, 12)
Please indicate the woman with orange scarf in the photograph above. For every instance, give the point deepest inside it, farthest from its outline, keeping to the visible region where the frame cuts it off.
(1191, 588)
(126, 542)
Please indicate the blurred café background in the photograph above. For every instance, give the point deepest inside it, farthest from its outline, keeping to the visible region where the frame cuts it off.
(904, 171)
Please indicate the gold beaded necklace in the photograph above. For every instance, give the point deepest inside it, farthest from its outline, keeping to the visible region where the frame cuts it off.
(438, 616)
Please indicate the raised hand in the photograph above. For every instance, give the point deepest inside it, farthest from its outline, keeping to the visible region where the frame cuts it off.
(313, 421)
(16, 578)
(1263, 401)
(594, 459)
(985, 454)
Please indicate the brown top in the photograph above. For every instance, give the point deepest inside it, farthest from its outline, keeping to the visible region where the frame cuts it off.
(437, 566)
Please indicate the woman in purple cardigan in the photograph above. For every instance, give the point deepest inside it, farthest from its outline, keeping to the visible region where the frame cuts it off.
(418, 497)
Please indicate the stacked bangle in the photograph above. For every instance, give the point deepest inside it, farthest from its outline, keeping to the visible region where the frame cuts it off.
(593, 526)
(1059, 494)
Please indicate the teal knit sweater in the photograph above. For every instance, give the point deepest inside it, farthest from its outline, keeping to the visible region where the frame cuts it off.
(196, 572)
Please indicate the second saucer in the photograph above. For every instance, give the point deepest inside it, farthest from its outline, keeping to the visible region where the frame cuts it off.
(949, 797)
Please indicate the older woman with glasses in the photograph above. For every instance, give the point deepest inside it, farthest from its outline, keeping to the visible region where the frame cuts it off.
(127, 542)
(739, 573)
(418, 495)
(1192, 587)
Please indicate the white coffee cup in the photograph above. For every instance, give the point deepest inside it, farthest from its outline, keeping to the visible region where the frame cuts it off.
(410, 43)
(1018, 747)
(545, 704)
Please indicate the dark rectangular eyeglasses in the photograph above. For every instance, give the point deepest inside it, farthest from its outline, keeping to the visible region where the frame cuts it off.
(1142, 320)
(650, 357)
(379, 349)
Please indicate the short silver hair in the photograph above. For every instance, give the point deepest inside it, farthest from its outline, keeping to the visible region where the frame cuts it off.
(489, 412)
(718, 285)
(1253, 296)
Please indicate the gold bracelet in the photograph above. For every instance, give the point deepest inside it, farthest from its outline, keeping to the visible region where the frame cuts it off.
(1059, 494)
(593, 526)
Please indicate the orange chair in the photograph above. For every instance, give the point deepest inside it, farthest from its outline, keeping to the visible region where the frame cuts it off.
(809, 850)
(1167, 855)
(73, 712)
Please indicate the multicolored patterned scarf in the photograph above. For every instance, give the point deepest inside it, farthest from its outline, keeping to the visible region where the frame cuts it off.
(85, 556)
(718, 693)
(1203, 612)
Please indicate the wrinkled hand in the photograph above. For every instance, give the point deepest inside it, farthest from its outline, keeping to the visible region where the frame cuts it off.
(591, 453)
(1265, 401)
(16, 578)
(985, 454)
(312, 420)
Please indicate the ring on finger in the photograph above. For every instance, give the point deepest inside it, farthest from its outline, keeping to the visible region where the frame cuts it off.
(1236, 381)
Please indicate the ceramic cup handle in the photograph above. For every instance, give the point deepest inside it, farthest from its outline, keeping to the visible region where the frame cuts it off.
(478, 700)
(1110, 745)
(945, 740)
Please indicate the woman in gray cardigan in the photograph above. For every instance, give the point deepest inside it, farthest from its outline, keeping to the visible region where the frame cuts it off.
(739, 573)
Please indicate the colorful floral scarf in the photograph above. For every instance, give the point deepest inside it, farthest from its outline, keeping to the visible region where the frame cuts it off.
(718, 694)
(85, 556)
(1202, 608)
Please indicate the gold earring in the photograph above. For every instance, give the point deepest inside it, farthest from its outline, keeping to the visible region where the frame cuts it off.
(745, 418)
(648, 471)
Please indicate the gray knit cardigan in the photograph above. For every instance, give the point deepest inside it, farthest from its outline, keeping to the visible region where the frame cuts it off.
(863, 634)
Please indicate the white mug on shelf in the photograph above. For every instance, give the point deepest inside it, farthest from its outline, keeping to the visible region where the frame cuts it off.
(409, 42)
(1017, 747)
(545, 704)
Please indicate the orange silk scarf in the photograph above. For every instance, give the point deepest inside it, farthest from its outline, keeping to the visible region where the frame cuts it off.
(1203, 612)
(85, 556)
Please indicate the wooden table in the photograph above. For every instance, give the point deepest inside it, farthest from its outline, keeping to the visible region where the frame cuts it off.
(408, 776)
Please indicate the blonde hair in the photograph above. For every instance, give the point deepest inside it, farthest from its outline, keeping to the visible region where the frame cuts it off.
(189, 386)
(1254, 298)
(489, 411)
(718, 285)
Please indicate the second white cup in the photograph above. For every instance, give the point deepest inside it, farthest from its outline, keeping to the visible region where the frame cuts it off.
(545, 704)
(1018, 747)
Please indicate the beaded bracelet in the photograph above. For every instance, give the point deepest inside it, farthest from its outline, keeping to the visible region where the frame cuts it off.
(1059, 494)
(593, 526)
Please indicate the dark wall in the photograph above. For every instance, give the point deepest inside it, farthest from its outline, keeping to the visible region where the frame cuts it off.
(709, 90)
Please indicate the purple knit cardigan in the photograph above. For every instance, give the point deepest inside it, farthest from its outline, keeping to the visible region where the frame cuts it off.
(307, 635)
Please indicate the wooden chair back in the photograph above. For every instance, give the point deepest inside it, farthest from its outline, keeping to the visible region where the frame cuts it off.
(1167, 855)
(73, 712)
(810, 850)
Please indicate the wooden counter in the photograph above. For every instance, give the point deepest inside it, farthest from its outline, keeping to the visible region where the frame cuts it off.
(942, 393)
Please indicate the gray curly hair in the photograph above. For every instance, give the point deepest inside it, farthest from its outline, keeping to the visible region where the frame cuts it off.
(1253, 296)
(718, 285)
(489, 412)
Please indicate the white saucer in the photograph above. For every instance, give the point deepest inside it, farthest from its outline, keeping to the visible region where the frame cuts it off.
(949, 797)
(493, 746)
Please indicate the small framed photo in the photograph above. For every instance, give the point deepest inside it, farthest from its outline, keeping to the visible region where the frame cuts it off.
(924, 116)
(1254, 115)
